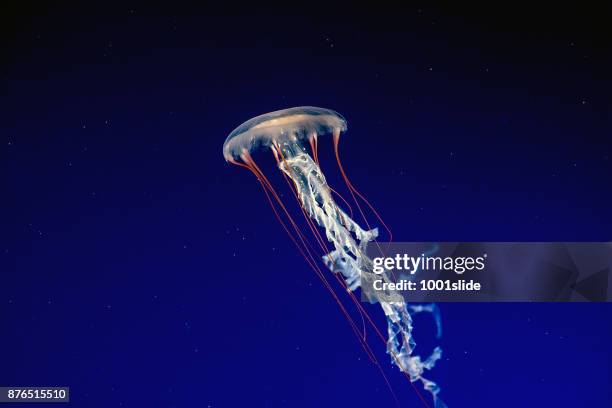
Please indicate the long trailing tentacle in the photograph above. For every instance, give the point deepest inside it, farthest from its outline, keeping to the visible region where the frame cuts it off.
(354, 191)
(347, 259)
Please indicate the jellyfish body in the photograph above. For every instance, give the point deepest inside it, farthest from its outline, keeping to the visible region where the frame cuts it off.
(285, 132)
(287, 127)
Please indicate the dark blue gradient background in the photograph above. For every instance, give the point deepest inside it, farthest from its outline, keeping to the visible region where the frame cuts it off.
(141, 270)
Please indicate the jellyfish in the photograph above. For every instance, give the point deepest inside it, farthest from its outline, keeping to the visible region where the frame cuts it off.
(332, 238)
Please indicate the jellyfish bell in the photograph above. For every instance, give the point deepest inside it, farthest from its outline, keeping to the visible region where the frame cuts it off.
(336, 240)
(285, 128)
